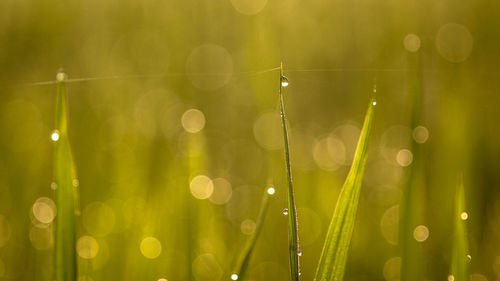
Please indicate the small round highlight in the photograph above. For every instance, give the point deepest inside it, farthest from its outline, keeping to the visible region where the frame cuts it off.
(411, 43)
(248, 227)
(150, 247)
(234, 276)
(404, 157)
(421, 233)
(54, 136)
(451, 277)
(44, 210)
(61, 76)
(201, 187)
(87, 247)
(162, 279)
(271, 190)
(464, 216)
(193, 120)
(420, 134)
(222, 191)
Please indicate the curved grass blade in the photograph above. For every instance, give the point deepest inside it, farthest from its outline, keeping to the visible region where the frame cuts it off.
(459, 270)
(334, 255)
(65, 265)
(239, 273)
(293, 235)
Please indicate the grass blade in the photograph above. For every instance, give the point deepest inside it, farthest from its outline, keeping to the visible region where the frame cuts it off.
(334, 255)
(293, 235)
(239, 273)
(459, 270)
(65, 266)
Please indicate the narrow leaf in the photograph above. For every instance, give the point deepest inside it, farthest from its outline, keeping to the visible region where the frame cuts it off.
(459, 270)
(239, 273)
(65, 265)
(333, 258)
(293, 235)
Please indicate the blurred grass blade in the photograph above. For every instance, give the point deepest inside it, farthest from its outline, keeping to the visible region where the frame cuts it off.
(239, 273)
(334, 255)
(65, 266)
(293, 235)
(460, 258)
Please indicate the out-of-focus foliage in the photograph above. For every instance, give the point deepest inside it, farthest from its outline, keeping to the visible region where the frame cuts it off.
(173, 152)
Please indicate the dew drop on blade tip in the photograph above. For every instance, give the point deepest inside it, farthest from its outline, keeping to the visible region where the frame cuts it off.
(285, 212)
(284, 81)
(234, 276)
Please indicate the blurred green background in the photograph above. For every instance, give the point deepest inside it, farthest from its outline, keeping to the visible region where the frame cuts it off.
(175, 150)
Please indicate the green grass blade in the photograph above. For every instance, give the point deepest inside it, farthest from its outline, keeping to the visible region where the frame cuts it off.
(239, 273)
(65, 265)
(293, 235)
(459, 269)
(334, 255)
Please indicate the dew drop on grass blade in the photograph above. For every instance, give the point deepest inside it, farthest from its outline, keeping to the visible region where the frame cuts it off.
(459, 269)
(333, 257)
(65, 260)
(239, 273)
(293, 235)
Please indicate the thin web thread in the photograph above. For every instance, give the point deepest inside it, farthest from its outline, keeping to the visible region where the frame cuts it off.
(248, 73)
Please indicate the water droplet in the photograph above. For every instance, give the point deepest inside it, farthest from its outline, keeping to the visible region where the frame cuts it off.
(284, 81)
(299, 253)
(55, 135)
(234, 276)
(285, 212)
(61, 76)
(53, 186)
(300, 273)
(374, 103)
(271, 190)
(469, 258)
(464, 216)
(76, 182)
(451, 278)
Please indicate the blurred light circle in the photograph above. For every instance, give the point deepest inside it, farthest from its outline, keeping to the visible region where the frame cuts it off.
(150, 247)
(267, 130)
(248, 227)
(404, 157)
(392, 269)
(206, 268)
(201, 187)
(420, 134)
(454, 42)
(41, 238)
(329, 153)
(98, 219)
(249, 7)
(348, 134)
(389, 225)
(310, 226)
(222, 191)
(421, 233)
(411, 43)
(44, 210)
(209, 67)
(87, 247)
(392, 141)
(193, 120)
(4, 231)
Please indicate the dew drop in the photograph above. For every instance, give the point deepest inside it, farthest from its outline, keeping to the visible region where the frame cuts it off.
(55, 135)
(374, 103)
(284, 81)
(271, 190)
(76, 182)
(464, 216)
(234, 276)
(469, 258)
(299, 253)
(61, 76)
(53, 186)
(285, 212)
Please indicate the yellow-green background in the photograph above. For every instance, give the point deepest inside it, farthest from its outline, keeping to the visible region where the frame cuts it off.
(132, 154)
